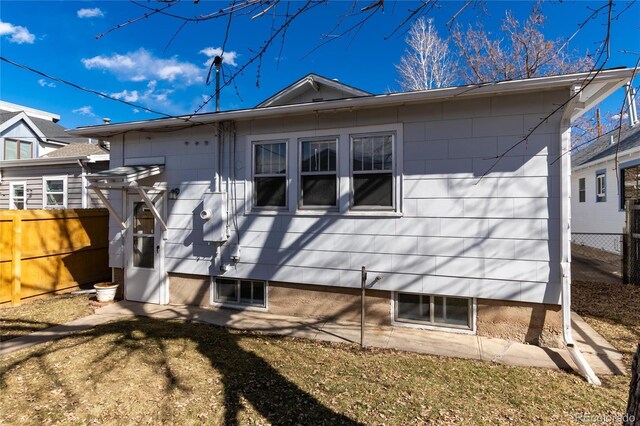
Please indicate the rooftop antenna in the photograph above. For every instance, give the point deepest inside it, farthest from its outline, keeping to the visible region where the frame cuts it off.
(217, 62)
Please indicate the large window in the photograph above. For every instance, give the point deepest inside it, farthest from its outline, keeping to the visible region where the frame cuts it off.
(582, 192)
(601, 187)
(372, 166)
(270, 174)
(434, 310)
(240, 292)
(17, 150)
(318, 176)
(54, 192)
(18, 195)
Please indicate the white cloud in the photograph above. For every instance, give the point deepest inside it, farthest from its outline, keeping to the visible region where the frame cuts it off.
(19, 35)
(125, 95)
(85, 110)
(212, 52)
(90, 13)
(142, 65)
(617, 116)
(136, 110)
(44, 83)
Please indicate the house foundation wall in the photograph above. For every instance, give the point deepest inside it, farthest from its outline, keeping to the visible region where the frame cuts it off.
(532, 323)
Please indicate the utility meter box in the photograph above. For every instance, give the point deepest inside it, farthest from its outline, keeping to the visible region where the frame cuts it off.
(214, 216)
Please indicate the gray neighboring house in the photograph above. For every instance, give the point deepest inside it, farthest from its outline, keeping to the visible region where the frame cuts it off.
(276, 208)
(41, 165)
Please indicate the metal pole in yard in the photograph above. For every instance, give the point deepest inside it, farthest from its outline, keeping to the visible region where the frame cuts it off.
(363, 283)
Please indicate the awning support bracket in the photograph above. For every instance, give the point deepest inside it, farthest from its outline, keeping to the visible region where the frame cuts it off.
(109, 207)
(152, 207)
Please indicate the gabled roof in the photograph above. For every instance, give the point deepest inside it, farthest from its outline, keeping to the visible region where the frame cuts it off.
(47, 130)
(607, 145)
(77, 150)
(320, 89)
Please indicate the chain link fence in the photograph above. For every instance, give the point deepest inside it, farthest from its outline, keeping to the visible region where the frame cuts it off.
(597, 256)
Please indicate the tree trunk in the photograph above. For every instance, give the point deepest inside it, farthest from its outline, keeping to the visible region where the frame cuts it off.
(633, 407)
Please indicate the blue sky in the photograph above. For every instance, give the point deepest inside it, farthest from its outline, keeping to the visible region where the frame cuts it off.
(138, 62)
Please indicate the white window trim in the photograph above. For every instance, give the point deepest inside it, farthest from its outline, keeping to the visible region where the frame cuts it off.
(421, 326)
(601, 177)
(252, 194)
(344, 167)
(44, 191)
(335, 208)
(238, 306)
(11, 198)
(394, 175)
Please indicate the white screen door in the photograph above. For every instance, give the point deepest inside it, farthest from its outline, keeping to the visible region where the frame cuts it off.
(144, 271)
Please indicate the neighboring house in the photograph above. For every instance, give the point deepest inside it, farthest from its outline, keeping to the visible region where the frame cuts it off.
(278, 207)
(41, 165)
(55, 181)
(603, 177)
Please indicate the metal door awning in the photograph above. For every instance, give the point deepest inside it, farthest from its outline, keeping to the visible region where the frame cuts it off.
(124, 178)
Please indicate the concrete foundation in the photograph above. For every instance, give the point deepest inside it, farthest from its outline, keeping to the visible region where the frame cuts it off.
(536, 324)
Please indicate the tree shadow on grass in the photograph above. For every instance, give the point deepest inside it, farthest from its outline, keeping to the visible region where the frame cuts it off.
(244, 374)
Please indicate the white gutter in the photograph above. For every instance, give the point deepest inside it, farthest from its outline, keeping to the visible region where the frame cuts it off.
(42, 161)
(435, 95)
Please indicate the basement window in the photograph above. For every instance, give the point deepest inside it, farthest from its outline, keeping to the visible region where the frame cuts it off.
(434, 310)
(240, 292)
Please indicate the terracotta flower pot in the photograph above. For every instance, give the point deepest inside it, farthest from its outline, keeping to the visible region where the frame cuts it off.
(106, 292)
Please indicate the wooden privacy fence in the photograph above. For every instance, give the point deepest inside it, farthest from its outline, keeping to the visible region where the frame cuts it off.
(43, 251)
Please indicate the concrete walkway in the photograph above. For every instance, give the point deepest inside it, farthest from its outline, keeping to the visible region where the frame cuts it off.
(603, 358)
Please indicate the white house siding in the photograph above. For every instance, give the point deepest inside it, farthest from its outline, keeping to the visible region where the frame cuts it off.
(601, 217)
(460, 232)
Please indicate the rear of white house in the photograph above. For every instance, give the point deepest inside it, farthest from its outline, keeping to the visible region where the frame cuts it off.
(451, 199)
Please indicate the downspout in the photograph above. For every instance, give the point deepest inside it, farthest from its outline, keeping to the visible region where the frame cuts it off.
(565, 244)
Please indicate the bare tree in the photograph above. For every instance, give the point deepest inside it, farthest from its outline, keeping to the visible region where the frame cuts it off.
(427, 62)
(519, 51)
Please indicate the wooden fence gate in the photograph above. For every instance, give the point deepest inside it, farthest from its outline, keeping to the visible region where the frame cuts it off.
(631, 246)
(43, 251)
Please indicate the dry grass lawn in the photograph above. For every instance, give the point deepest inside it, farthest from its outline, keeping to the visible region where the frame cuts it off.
(41, 313)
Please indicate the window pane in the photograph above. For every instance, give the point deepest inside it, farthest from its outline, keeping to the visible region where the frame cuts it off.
(457, 311)
(258, 293)
(55, 200)
(271, 191)
(25, 150)
(18, 191)
(143, 220)
(56, 185)
(143, 252)
(245, 292)
(226, 291)
(19, 205)
(372, 153)
(10, 150)
(373, 189)
(319, 190)
(318, 156)
(438, 309)
(271, 158)
(409, 307)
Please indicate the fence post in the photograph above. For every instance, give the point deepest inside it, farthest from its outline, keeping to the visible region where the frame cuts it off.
(16, 260)
(626, 244)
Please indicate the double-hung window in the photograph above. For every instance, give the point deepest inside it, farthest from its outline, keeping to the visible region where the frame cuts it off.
(582, 192)
(17, 150)
(318, 174)
(17, 195)
(601, 187)
(270, 174)
(372, 168)
(54, 192)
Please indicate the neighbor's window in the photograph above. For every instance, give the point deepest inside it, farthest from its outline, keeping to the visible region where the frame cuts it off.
(17, 150)
(270, 174)
(372, 171)
(630, 177)
(17, 195)
(318, 176)
(240, 292)
(601, 188)
(55, 192)
(582, 192)
(434, 310)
